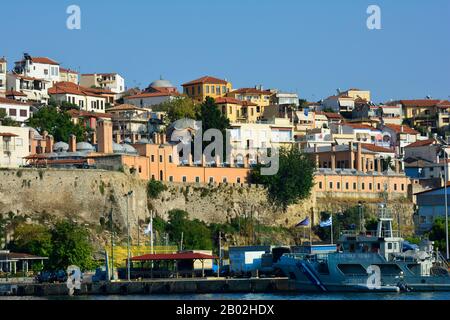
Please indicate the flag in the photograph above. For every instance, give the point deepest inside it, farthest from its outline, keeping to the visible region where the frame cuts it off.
(306, 112)
(149, 228)
(327, 223)
(303, 223)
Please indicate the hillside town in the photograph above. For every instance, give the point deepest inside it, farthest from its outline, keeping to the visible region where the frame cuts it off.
(393, 150)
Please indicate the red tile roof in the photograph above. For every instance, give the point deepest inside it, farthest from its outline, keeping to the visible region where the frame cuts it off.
(153, 94)
(174, 256)
(252, 91)
(374, 148)
(44, 60)
(231, 100)
(332, 115)
(360, 126)
(401, 129)
(206, 79)
(422, 143)
(13, 93)
(68, 71)
(12, 101)
(125, 107)
(420, 103)
(7, 134)
(71, 88)
(74, 113)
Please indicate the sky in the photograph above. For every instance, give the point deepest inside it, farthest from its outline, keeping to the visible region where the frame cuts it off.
(311, 47)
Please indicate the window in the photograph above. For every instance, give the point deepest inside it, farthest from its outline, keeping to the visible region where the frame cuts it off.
(197, 179)
(370, 186)
(217, 90)
(354, 186)
(320, 185)
(331, 185)
(23, 113)
(339, 186)
(379, 187)
(211, 180)
(395, 187)
(153, 158)
(199, 88)
(225, 180)
(170, 159)
(363, 186)
(224, 89)
(238, 180)
(140, 169)
(160, 158)
(346, 186)
(13, 112)
(46, 72)
(170, 178)
(403, 187)
(207, 89)
(184, 178)
(389, 245)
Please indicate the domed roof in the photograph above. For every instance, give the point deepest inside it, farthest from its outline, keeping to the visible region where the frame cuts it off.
(145, 141)
(129, 149)
(60, 147)
(161, 84)
(85, 146)
(185, 123)
(118, 148)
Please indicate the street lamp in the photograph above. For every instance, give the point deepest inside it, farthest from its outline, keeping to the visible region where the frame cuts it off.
(128, 195)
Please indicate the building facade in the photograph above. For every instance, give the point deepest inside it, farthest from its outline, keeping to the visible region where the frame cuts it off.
(206, 86)
(3, 72)
(78, 95)
(14, 146)
(17, 111)
(111, 81)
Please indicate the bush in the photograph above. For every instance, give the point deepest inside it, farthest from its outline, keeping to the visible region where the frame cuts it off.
(155, 188)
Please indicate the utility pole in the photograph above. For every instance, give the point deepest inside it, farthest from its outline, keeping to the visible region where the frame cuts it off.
(220, 254)
(128, 195)
(181, 242)
(446, 200)
(112, 245)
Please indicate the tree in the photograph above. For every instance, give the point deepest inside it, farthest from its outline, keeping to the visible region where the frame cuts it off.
(294, 180)
(178, 108)
(71, 246)
(211, 116)
(62, 105)
(56, 123)
(196, 234)
(32, 239)
(437, 234)
(154, 189)
(7, 121)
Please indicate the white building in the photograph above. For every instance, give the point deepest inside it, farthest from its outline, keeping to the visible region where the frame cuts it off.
(16, 110)
(78, 95)
(3, 71)
(284, 98)
(14, 146)
(339, 103)
(431, 205)
(111, 81)
(39, 68)
(147, 100)
(35, 89)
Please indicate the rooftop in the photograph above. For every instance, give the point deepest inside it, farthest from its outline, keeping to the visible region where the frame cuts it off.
(206, 79)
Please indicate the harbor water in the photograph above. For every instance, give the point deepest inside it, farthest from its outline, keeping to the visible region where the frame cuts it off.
(430, 296)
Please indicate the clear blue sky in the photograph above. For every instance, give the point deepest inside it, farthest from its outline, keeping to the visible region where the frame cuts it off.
(311, 47)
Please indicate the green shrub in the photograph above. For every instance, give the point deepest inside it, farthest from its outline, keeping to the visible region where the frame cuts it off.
(155, 188)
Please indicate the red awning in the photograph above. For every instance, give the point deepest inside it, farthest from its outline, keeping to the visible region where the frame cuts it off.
(174, 256)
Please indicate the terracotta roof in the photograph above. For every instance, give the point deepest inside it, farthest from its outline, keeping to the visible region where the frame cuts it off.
(153, 94)
(420, 103)
(252, 91)
(99, 91)
(15, 93)
(206, 79)
(174, 256)
(8, 134)
(360, 126)
(421, 143)
(332, 115)
(231, 100)
(81, 113)
(374, 148)
(67, 71)
(27, 78)
(99, 74)
(11, 101)
(401, 129)
(44, 60)
(71, 88)
(125, 107)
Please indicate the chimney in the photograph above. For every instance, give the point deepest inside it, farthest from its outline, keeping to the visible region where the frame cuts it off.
(397, 166)
(359, 157)
(72, 143)
(133, 138)
(402, 129)
(163, 138)
(379, 165)
(94, 137)
(154, 137)
(246, 161)
(333, 157)
(104, 136)
(118, 138)
(352, 155)
(49, 144)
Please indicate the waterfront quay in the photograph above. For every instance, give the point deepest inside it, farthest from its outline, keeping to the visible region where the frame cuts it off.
(160, 286)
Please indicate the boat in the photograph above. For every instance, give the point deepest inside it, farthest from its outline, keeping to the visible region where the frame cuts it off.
(367, 261)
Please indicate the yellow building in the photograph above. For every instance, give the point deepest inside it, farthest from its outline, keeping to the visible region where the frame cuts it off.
(68, 75)
(255, 96)
(356, 93)
(238, 111)
(206, 86)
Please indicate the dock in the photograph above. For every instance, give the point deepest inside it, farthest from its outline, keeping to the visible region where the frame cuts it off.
(160, 286)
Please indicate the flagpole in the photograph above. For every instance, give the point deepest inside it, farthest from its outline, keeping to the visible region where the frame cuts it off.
(310, 232)
(151, 233)
(331, 216)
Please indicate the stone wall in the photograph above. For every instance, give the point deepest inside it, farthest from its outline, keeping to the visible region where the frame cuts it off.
(87, 196)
